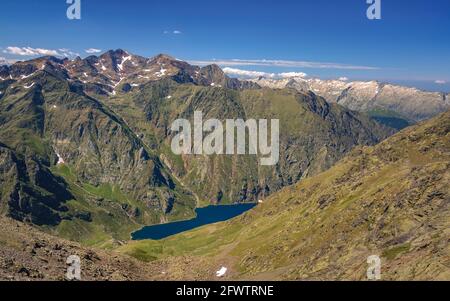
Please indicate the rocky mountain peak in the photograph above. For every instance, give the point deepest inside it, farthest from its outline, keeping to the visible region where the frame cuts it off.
(213, 69)
(163, 58)
(117, 54)
(107, 73)
(214, 74)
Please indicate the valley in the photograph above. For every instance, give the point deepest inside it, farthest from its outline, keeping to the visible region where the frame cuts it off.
(394, 105)
(109, 119)
(204, 216)
(86, 160)
(391, 200)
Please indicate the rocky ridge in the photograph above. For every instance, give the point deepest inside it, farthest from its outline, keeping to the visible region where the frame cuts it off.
(99, 130)
(411, 104)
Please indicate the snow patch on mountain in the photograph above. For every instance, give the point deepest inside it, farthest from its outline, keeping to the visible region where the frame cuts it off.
(60, 159)
(124, 60)
(366, 96)
(161, 72)
(221, 272)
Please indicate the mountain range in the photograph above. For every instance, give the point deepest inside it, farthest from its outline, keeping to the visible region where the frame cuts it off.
(85, 160)
(394, 105)
(86, 142)
(390, 200)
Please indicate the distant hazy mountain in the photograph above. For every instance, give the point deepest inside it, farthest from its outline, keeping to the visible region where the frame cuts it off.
(85, 143)
(394, 105)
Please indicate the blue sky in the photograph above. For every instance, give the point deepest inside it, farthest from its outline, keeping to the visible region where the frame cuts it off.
(409, 45)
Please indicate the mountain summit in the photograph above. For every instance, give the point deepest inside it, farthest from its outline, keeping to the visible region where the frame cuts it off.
(109, 72)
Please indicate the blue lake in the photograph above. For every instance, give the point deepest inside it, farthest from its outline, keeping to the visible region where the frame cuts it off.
(205, 216)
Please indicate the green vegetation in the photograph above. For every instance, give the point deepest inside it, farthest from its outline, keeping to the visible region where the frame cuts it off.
(395, 251)
(327, 225)
(119, 172)
(390, 118)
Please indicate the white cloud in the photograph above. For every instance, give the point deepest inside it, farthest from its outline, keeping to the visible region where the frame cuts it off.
(440, 82)
(173, 32)
(249, 73)
(28, 51)
(292, 74)
(343, 78)
(281, 63)
(67, 53)
(93, 50)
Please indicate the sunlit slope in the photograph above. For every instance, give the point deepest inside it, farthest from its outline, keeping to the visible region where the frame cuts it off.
(85, 144)
(390, 200)
(313, 135)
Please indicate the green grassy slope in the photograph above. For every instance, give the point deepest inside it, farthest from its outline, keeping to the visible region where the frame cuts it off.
(111, 182)
(119, 172)
(390, 200)
(313, 135)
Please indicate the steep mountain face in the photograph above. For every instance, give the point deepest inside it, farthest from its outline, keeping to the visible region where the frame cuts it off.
(98, 130)
(104, 74)
(27, 254)
(391, 200)
(52, 130)
(394, 105)
(29, 191)
(216, 77)
(313, 134)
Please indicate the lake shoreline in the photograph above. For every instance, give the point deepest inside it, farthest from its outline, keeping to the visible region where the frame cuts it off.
(203, 216)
